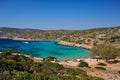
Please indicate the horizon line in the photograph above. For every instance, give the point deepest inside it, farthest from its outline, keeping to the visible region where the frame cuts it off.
(59, 29)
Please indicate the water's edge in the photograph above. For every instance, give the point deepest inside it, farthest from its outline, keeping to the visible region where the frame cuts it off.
(59, 53)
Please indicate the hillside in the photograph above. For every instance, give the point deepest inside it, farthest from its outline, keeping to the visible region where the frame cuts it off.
(95, 36)
(20, 67)
(88, 37)
(14, 32)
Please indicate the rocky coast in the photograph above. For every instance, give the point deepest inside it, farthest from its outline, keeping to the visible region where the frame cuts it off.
(75, 45)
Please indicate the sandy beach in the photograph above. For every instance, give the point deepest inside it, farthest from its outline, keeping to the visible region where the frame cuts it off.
(111, 72)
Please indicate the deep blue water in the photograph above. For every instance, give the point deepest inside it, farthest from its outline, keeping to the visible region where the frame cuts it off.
(44, 49)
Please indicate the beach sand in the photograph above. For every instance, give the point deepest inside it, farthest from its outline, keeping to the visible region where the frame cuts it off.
(111, 72)
(68, 64)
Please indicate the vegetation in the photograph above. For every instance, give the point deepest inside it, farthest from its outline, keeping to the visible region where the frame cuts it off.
(102, 64)
(95, 36)
(101, 68)
(19, 67)
(50, 58)
(83, 64)
(75, 71)
(88, 37)
(105, 51)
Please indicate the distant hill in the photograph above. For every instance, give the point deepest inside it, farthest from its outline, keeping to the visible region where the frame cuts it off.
(89, 37)
(13, 32)
(32, 33)
(7, 29)
(110, 35)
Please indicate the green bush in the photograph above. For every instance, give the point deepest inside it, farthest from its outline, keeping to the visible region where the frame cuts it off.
(102, 64)
(83, 64)
(75, 71)
(19, 67)
(50, 58)
(101, 68)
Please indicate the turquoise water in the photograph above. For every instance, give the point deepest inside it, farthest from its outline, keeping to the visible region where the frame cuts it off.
(44, 49)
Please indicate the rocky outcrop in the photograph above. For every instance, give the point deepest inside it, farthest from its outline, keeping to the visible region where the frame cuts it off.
(75, 45)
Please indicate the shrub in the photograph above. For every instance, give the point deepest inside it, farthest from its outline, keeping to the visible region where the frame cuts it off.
(75, 71)
(50, 58)
(19, 67)
(83, 64)
(102, 64)
(101, 68)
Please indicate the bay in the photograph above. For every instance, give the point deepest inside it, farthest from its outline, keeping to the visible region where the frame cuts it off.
(44, 49)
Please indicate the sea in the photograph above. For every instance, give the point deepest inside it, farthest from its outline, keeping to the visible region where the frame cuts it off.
(44, 49)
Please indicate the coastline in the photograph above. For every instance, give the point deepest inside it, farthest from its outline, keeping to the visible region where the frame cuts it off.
(74, 44)
(59, 42)
(111, 72)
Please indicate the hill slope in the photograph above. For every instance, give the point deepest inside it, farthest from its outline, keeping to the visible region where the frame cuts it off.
(87, 37)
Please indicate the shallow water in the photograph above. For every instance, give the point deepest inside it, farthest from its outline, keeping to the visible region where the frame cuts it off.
(44, 49)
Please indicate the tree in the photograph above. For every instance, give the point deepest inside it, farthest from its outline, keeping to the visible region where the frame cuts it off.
(6, 53)
(36, 67)
(106, 51)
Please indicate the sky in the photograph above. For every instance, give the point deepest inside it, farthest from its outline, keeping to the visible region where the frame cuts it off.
(59, 14)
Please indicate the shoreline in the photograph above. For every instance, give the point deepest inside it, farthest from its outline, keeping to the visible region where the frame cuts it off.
(74, 45)
(111, 72)
(58, 42)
